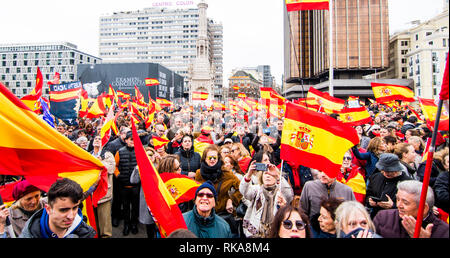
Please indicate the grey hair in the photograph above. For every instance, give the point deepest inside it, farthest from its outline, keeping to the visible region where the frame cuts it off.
(345, 210)
(415, 188)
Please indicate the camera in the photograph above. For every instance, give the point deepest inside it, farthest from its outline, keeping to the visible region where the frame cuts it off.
(261, 167)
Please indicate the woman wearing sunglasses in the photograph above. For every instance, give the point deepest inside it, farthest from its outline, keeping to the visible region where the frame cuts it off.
(290, 222)
(212, 168)
(350, 175)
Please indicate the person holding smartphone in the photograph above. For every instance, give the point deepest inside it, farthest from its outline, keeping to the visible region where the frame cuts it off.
(265, 198)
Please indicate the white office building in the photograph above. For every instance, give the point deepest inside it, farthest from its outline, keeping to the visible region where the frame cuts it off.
(159, 35)
(19, 62)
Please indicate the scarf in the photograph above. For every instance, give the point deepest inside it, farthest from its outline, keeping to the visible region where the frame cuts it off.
(211, 173)
(269, 193)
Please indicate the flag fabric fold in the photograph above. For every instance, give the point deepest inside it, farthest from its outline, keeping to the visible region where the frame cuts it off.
(315, 140)
(29, 147)
(355, 116)
(181, 187)
(159, 200)
(385, 93)
(429, 109)
(325, 101)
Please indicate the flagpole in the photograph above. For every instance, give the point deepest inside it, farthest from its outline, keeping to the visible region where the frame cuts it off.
(426, 177)
(330, 49)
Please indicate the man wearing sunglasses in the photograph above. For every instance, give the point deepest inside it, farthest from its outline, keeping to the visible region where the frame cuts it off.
(202, 219)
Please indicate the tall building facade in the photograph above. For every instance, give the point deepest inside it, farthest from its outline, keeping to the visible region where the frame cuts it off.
(19, 64)
(360, 42)
(246, 82)
(160, 35)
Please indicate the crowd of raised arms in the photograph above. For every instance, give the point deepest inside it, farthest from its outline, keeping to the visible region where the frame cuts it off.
(245, 189)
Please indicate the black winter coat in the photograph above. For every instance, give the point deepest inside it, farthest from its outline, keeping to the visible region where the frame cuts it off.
(127, 163)
(114, 146)
(441, 192)
(189, 160)
(436, 169)
(379, 186)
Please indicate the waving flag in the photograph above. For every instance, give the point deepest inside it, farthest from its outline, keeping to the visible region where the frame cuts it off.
(159, 142)
(46, 113)
(163, 102)
(355, 116)
(197, 95)
(84, 102)
(29, 147)
(356, 182)
(429, 109)
(98, 109)
(159, 200)
(315, 140)
(180, 186)
(64, 101)
(151, 82)
(105, 132)
(32, 100)
(300, 5)
(277, 105)
(324, 100)
(388, 92)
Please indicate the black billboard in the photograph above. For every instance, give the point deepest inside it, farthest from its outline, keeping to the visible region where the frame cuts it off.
(124, 76)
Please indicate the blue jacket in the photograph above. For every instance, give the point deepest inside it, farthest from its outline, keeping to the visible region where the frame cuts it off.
(371, 158)
(211, 227)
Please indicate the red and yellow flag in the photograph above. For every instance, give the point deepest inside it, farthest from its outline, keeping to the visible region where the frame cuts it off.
(163, 102)
(385, 93)
(105, 132)
(32, 100)
(159, 200)
(299, 5)
(324, 100)
(356, 182)
(277, 106)
(429, 109)
(159, 142)
(98, 109)
(355, 116)
(151, 82)
(197, 95)
(181, 187)
(29, 147)
(235, 87)
(315, 140)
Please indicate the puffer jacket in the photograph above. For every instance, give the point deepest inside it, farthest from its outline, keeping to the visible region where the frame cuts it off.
(125, 163)
(189, 160)
(211, 227)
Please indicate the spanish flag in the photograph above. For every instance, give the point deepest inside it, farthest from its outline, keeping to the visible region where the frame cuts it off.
(151, 82)
(277, 106)
(355, 116)
(98, 109)
(388, 92)
(197, 95)
(300, 5)
(235, 87)
(163, 102)
(218, 106)
(315, 140)
(429, 109)
(181, 187)
(29, 147)
(242, 95)
(356, 182)
(105, 131)
(242, 105)
(324, 100)
(159, 142)
(84, 102)
(32, 100)
(159, 200)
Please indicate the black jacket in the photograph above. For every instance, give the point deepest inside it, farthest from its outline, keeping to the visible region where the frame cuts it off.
(436, 168)
(115, 145)
(127, 163)
(441, 192)
(379, 186)
(246, 140)
(189, 160)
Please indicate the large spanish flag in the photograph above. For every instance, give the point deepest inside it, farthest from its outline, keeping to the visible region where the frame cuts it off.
(389, 92)
(160, 201)
(315, 140)
(299, 5)
(324, 100)
(355, 116)
(31, 148)
(429, 109)
(180, 186)
(197, 95)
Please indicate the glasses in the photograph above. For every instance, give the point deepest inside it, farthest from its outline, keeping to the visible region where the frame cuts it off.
(225, 152)
(179, 167)
(347, 158)
(212, 157)
(300, 225)
(209, 195)
(234, 150)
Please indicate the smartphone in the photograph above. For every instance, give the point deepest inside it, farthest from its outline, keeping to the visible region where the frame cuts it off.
(261, 167)
(376, 199)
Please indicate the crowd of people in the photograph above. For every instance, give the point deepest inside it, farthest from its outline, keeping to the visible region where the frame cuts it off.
(246, 190)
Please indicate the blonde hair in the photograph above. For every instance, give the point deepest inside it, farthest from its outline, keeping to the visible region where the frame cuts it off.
(345, 210)
(244, 152)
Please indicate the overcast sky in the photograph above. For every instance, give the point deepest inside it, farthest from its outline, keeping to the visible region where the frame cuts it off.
(253, 29)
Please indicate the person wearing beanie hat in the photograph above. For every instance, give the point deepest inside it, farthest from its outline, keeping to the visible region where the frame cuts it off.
(202, 220)
(382, 187)
(27, 201)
